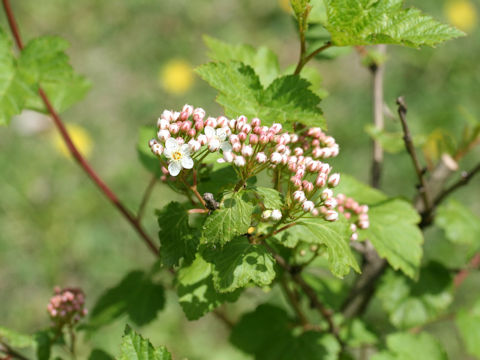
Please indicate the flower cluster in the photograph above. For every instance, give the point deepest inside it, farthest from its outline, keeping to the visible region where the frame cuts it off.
(67, 306)
(353, 211)
(188, 136)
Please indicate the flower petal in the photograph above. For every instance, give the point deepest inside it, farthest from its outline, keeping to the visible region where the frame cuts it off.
(226, 146)
(221, 134)
(187, 162)
(185, 150)
(209, 131)
(174, 168)
(171, 144)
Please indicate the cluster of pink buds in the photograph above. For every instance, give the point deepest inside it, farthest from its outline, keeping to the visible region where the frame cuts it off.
(67, 306)
(353, 211)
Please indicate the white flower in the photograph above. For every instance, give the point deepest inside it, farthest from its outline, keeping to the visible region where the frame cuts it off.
(217, 137)
(276, 215)
(239, 161)
(178, 155)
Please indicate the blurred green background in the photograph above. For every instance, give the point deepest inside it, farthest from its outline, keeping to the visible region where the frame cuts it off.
(57, 229)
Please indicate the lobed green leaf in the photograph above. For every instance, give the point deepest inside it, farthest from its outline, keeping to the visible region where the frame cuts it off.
(135, 347)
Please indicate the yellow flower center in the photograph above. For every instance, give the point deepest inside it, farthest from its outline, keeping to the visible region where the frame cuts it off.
(177, 155)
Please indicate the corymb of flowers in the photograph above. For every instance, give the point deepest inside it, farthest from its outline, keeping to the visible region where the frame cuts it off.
(186, 138)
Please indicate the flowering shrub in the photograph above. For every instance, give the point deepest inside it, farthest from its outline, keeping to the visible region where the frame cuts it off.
(258, 204)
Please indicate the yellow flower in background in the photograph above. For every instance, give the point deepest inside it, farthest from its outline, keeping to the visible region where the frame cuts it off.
(176, 76)
(461, 14)
(80, 137)
(285, 5)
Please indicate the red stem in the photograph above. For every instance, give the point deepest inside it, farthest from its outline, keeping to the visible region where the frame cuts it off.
(73, 150)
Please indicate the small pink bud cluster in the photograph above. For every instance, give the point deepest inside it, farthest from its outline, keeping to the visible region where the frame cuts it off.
(67, 306)
(315, 143)
(353, 211)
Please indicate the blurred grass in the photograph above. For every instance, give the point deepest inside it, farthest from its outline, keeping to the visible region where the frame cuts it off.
(55, 227)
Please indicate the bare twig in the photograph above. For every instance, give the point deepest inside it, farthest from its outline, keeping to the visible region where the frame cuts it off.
(73, 149)
(423, 187)
(378, 71)
(223, 317)
(303, 61)
(465, 179)
(463, 274)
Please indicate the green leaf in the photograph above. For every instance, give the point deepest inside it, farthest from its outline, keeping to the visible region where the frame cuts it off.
(395, 235)
(356, 334)
(196, 292)
(178, 240)
(393, 231)
(468, 322)
(43, 342)
(268, 334)
(392, 142)
(145, 155)
(367, 22)
(45, 57)
(217, 181)
(239, 264)
(286, 100)
(271, 198)
(406, 346)
(136, 295)
(232, 219)
(262, 60)
(99, 354)
(411, 303)
(16, 85)
(135, 347)
(15, 339)
(335, 236)
(460, 224)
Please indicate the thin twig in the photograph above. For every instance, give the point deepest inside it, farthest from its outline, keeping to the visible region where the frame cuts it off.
(423, 188)
(465, 179)
(306, 59)
(72, 148)
(378, 71)
(221, 316)
(463, 274)
(146, 196)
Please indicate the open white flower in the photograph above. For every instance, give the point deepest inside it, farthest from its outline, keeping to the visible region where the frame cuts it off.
(178, 155)
(217, 139)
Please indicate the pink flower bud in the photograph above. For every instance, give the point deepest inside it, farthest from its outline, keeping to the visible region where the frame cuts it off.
(198, 114)
(315, 212)
(255, 122)
(213, 145)
(321, 180)
(174, 128)
(363, 224)
(280, 148)
(202, 139)
(331, 215)
(354, 237)
(257, 130)
(298, 151)
(163, 135)
(232, 124)
(334, 180)
(329, 141)
(276, 128)
(263, 139)
(308, 206)
(246, 128)
(247, 150)
(228, 156)
(237, 147)
(307, 186)
(299, 196)
(157, 149)
(188, 109)
(222, 121)
(364, 208)
(186, 126)
(152, 142)
(330, 203)
(212, 122)
(239, 161)
(194, 145)
(253, 139)
(297, 182)
(192, 132)
(242, 136)
(276, 158)
(163, 124)
(327, 193)
(353, 227)
(199, 125)
(261, 158)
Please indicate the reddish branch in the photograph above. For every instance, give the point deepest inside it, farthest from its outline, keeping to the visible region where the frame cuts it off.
(72, 148)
